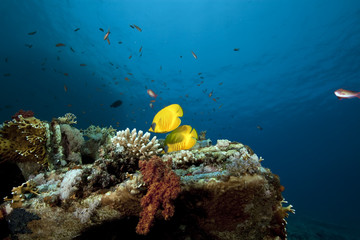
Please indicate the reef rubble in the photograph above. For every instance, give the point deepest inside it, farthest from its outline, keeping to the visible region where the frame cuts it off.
(114, 184)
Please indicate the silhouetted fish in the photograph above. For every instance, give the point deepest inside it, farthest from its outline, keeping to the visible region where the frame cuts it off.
(236, 49)
(76, 29)
(32, 33)
(116, 104)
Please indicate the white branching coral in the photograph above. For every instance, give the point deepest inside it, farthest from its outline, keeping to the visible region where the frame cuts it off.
(133, 146)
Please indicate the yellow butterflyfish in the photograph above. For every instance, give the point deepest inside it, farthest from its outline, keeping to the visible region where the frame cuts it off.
(182, 138)
(167, 119)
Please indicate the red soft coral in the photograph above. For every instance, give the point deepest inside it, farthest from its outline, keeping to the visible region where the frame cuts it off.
(163, 187)
(23, 113)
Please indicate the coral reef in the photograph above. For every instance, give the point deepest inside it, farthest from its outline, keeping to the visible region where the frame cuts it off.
(209, 192)
(163, 187)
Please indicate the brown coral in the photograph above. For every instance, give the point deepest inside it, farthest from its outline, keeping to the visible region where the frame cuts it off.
(23, 140)
(163, 187)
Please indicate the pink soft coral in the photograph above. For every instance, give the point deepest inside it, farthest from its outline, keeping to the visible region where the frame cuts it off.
(163, 187)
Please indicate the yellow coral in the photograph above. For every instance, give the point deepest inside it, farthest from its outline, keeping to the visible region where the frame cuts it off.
(19, 193)
(69, 118)
(23, 140)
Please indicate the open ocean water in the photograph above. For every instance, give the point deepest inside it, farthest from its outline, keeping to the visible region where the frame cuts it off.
(260, 72)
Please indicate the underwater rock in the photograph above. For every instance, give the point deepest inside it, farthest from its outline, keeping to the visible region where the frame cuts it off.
(208, 192)
(224, 194)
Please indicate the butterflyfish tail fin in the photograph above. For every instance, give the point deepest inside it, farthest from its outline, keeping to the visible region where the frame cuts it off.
(194, 134)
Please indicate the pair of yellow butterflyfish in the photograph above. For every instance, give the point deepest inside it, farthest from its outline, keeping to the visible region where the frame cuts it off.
(167, 120)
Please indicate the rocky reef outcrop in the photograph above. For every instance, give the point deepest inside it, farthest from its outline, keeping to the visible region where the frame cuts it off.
(132, 189)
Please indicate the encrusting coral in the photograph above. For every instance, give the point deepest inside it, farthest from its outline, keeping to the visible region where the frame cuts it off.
(163, 187)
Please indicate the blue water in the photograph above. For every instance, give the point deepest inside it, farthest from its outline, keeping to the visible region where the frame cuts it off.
(292, 56)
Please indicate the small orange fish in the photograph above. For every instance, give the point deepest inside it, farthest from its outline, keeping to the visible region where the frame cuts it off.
(152, 101)
(151, 93)
(151, 105)
(211, 93)
(127, 79)
(65, 88)
(214, 99)
(220, 83)
(129, 73)
(140, 49)
(342, 93)
(194, 54)
(130, 56)
(107, 35)
(138, 28)
(69, 105)
(66, 74)
(108, 40)
(60, 45)
(82, 64)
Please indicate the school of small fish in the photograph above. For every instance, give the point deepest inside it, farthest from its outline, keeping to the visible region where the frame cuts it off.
(167, 119)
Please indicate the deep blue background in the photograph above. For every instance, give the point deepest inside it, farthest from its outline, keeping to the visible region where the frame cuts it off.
(292, 56)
